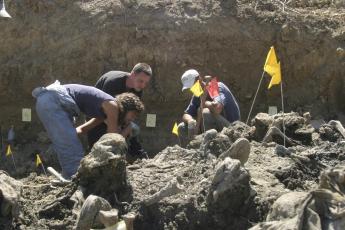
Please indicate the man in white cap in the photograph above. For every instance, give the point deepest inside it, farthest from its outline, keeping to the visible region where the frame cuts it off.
(203, 112)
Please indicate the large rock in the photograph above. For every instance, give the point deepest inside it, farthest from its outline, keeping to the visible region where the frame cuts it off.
(88, 214)
(10, 194)
(103, 171)
(230, 186)
(318, 209)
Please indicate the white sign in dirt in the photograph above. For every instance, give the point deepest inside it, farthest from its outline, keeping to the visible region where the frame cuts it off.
(151, 120)
(272, 110)
(26, 115)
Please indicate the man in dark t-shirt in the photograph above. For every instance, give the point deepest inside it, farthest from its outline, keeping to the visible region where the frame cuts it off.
(57, 104)
(115, 83)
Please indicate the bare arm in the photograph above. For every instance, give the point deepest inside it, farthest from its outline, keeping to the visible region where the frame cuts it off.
(127, 131)
(214, 107)
(111, 110)
(87, 126)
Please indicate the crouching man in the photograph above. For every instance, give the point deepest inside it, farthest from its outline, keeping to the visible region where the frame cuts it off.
(204, 112)
(56, 105)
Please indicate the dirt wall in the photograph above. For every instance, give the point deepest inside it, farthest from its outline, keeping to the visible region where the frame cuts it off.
(78, 41)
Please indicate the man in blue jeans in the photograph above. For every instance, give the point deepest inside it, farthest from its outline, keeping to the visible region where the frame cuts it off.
(56, 105)
(204, 113)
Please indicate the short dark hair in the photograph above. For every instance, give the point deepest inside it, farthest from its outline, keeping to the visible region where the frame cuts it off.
(129, 102)
(142, 68)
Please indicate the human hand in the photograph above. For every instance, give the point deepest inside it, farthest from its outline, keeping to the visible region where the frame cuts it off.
(127, 131)
(79, 130)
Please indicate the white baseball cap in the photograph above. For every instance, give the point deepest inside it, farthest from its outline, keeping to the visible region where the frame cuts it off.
(188, 78)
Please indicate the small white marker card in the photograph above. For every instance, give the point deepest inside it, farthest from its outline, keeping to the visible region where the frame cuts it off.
(151, 120)
(26, 114)
(272, 110)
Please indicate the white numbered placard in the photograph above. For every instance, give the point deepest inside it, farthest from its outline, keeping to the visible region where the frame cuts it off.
(272, 110)
(26, 114)
(151, 120)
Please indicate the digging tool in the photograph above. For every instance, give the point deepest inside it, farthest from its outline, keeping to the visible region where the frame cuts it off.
(57, 175)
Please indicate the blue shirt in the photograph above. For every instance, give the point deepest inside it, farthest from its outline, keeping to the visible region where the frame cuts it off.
(89, 99)
(231, 110)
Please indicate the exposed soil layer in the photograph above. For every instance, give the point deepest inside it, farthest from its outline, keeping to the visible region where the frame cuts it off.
(203, 190)
(78, 41)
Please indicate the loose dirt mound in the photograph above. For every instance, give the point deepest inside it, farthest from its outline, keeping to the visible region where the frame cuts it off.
(194, 187)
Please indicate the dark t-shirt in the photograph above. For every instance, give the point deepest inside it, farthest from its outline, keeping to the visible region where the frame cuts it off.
(89, 99)
(114, 83)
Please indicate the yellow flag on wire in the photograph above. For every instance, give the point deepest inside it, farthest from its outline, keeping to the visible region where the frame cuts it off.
(38, 160)
(197, 89)
(9, 151)
(175, 129)
(272, 67)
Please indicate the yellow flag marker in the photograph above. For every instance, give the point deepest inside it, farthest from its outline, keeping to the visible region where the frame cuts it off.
(38, 160)
(9, 151)
(197, 89)
(272, 67)
(175, 129)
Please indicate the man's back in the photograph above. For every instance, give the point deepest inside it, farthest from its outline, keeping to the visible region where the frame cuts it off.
(114, 83)
(231, 109)
(89, 99)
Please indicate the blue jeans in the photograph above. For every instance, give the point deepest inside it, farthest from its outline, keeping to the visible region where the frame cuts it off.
(59, 126)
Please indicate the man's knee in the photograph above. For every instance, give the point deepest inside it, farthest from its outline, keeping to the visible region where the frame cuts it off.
(206, 112)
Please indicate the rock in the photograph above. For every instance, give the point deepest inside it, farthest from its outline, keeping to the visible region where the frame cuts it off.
(282, 151)
(230, 186)
(219, 144)
(103, 171)
(307, 117)
(262, 122)
(89, 212)
(237, 130)
(304, 134)
(108, 217)
(329, 132)
(129, 219)
(338, 126)
(209, 135)
(10, 194)
(286, 206)
(340, 52)
(239, 150)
